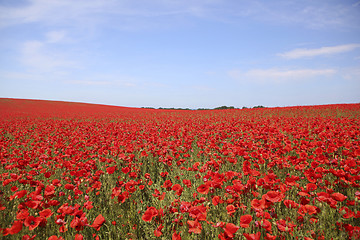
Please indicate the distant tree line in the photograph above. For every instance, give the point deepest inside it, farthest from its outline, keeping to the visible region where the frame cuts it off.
(217, 108)
(174, 108)
(224, 107)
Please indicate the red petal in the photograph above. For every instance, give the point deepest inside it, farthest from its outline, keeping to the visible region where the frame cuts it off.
(98, 222)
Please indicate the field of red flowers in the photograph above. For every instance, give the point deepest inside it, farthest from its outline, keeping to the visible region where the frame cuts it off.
(84, 171)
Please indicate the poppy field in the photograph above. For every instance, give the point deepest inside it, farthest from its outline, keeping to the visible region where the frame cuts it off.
(86, 171)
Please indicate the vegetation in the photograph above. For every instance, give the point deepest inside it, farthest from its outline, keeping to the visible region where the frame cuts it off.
(81, 171)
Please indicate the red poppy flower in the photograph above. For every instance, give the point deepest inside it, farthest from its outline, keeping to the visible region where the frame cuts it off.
(258, 205)
(62, 229)
(266, 225)
(79, 237)
(125, 170)
(230, 209)
(111, 170)
(203, 189)
(123, 196)
(290, 203)
(53, 203)
(149, 214)
(98, 222)
(157, 231)
(76, 223)
(346, 212)
(164, 174)
(47, 174)
(194, 227)
(269, 237)
(310, 187)
(231, 229)
(291, 181)
(252, 236)
(178, 189)
(262, 214)
(27, 237)
(32, 222)
(18, 194)
(2, 207)
(88, 205)
(310, 209)
(303, 194)
(167, 184)
(22, 214)
(176, 236)
(284, 226)
(338, 196)
(322, 196)
(14, 229)
(56, 182)
(318, 151)
(46, 213)
(187, 183)
(245, 221)
(273, 196)
(216, 200)
(69, 186)
(49, 190)
(198, 212)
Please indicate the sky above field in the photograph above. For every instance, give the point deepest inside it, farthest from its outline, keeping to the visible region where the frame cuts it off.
(181, 53)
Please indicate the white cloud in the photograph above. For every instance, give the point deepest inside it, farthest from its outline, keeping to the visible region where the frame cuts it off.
(202, 88)
(87, 13)
(112, 80)
(274, 75)
(304, 52)
(235, 74)
(45, 56)
(55, 36)
(16, 76)
(302, 73)
(315, 14)
(39, 57)
(351, 74)
(50, 11)
(87, 82)
(140, 14)
(356, 4)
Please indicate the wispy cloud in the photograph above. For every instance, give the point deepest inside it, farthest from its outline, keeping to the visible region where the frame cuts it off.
(274, 75)
(51, 11)
(88, 13)
(101, 83)
(91, 83)
(356, 4)
(351, 74)
(115, 80)
(301, 73)
(16, 76)
(305, 52)
(43, 55)
(36, 56)
(55, 36)
(311, 14)
(202, 88)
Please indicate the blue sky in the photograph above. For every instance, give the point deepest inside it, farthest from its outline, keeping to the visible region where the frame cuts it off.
(181, 53)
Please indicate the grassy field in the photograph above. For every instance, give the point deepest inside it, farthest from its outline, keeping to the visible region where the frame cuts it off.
(83, 171)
